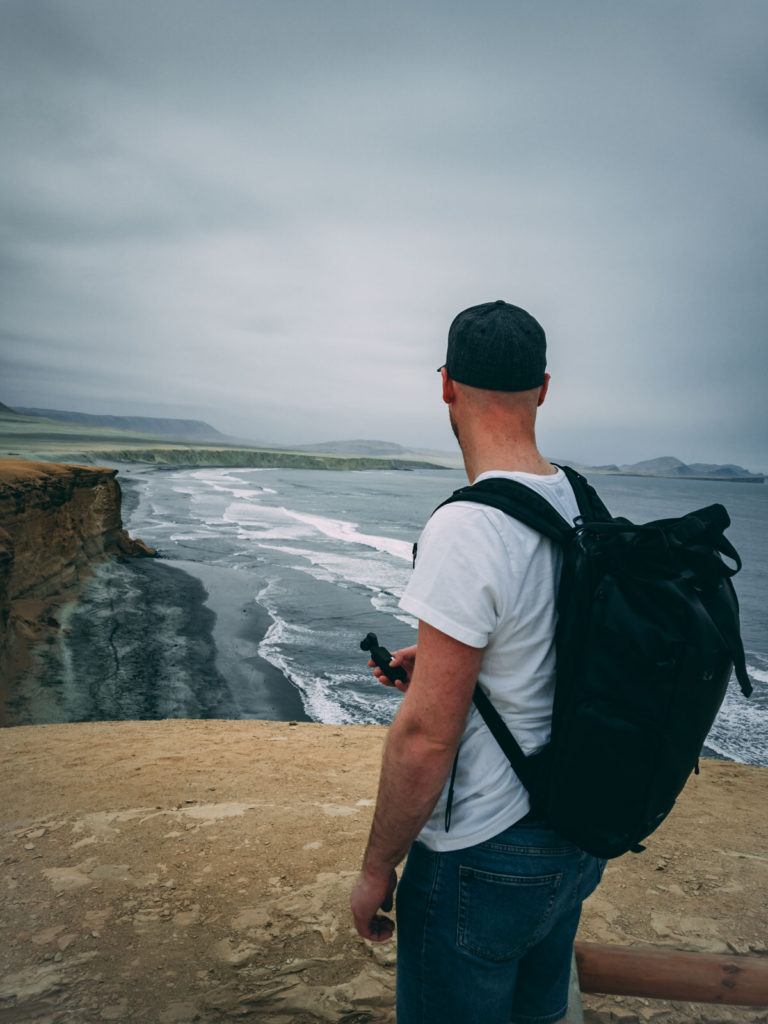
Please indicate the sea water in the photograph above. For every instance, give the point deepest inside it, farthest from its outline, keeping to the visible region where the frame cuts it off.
(328, 554)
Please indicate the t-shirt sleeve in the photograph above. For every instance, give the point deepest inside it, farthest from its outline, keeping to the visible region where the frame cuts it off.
(461, 583)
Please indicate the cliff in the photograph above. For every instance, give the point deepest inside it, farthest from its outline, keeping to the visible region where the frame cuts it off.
(55, 521)
(252, 458)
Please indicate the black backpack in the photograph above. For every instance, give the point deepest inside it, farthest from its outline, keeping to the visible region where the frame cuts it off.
(647, 636)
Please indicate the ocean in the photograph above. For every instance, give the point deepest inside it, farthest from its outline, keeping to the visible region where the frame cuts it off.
(280, 573)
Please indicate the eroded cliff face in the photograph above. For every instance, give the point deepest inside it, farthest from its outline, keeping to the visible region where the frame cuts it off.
(55, 520)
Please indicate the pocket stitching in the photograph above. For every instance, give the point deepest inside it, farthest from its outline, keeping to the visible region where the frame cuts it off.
(467, 874)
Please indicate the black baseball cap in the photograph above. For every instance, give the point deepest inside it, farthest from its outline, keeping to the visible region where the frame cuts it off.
(497, 347)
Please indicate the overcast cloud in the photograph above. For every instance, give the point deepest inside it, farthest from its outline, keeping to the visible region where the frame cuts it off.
(265, 214)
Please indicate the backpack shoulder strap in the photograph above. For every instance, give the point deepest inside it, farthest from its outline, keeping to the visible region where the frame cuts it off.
(530, 508)
(518, 501)
(523, 503)
(590, 503)
(500, 732)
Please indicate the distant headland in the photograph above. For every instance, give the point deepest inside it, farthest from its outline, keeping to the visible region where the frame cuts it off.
(670, 467)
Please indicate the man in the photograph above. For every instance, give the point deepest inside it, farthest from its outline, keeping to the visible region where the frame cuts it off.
(490, 899)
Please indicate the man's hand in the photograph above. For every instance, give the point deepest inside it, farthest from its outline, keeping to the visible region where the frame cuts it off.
(405, 658)
(369, 895)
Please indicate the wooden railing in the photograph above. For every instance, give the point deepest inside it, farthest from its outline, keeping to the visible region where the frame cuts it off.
(670, 974)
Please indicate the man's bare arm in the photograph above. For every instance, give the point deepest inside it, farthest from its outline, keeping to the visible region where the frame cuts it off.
(421, 745)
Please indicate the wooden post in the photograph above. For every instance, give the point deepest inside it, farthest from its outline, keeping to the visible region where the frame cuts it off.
(670, 974)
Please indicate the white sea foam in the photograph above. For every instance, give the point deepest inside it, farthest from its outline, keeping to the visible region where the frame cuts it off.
(201, 484)
(336, 694)
(330, 697)
(389, 604)
(339, 529)
(259, 533)
(252, 513)
(245, 495)
(375, 574)
(213, 475)
(260, 522)
(739, 732)
(758, 674)
(315, 570)
(281, 639)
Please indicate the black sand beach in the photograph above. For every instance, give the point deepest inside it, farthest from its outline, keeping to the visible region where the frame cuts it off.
(141, 643)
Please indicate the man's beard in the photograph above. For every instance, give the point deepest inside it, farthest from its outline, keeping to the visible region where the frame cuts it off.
(454, 425)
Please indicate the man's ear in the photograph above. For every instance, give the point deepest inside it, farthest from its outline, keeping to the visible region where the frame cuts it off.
(449, 389)
(543, 389)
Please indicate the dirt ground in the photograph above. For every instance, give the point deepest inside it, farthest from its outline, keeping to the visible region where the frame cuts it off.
(183, 871)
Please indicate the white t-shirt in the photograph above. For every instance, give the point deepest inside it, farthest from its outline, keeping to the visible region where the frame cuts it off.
(488, 581)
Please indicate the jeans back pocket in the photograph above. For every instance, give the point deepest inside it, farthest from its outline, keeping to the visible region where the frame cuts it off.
(501, 915)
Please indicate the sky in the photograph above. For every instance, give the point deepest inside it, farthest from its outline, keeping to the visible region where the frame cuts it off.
(265, 214)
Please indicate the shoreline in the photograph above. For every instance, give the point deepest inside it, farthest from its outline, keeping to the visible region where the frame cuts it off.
(225, 625)
(754, 478)
(92, 633)
(139, 643)
(239, 625)
(240, 615)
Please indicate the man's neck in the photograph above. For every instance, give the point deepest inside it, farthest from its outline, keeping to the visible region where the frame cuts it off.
(496, 433)
(523, 459)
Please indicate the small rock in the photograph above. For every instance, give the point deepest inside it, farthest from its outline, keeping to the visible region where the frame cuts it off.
(385, 954)
(176, 1013)
(115, 1011)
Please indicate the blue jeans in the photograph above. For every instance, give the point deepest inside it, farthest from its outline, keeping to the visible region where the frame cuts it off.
(485, 934)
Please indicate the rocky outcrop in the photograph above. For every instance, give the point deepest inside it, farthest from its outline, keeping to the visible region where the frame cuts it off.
(55, 521)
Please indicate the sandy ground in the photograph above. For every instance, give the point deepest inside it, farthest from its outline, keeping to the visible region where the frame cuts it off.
(181, 871)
